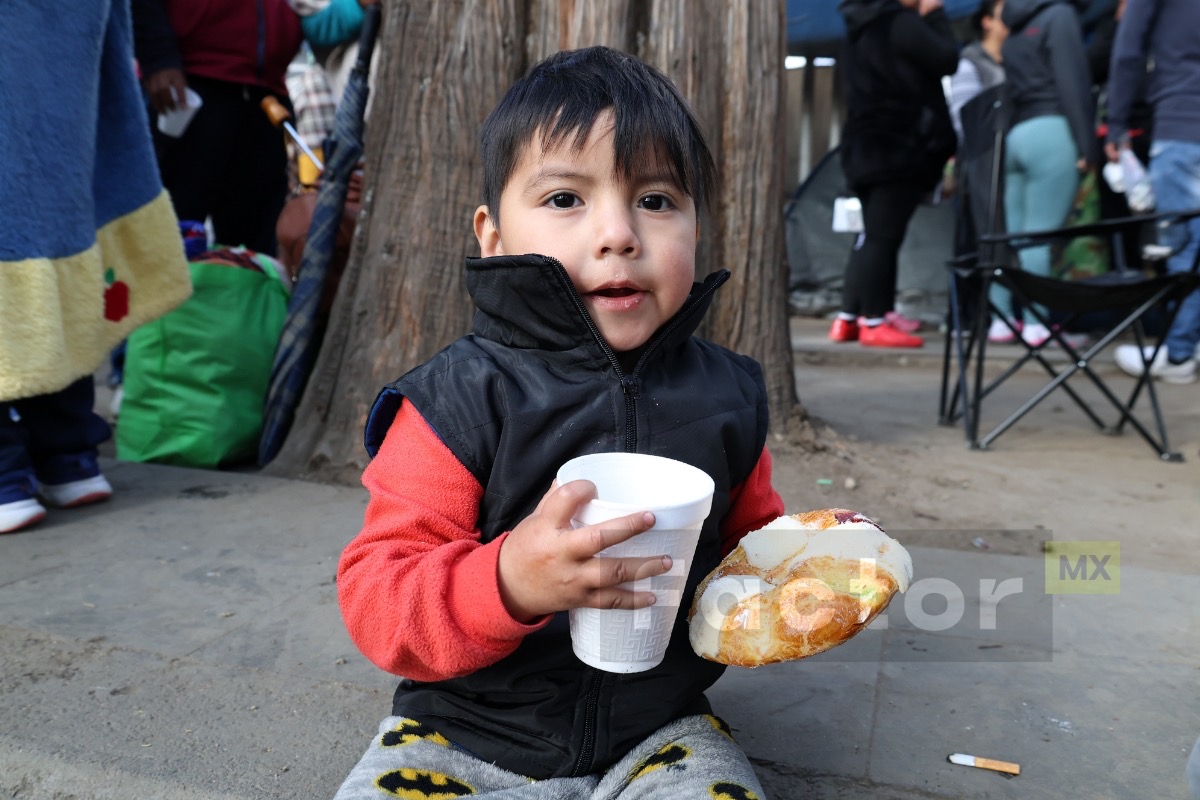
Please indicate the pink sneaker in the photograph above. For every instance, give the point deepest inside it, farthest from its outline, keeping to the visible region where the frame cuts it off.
(902, 323)
(999, 333)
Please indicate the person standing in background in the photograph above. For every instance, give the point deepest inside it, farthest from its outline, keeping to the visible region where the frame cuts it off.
(230, 164)
(895, 144)
(89, 246)
(1167, 32)
(980, 66)
(1050, 142)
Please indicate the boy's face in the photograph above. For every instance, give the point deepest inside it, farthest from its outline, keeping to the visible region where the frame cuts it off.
(629, 246)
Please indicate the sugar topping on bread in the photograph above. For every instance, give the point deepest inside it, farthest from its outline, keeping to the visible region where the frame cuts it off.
(786, 539)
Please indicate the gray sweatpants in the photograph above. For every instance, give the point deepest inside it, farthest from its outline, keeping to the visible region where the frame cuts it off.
(693, 757)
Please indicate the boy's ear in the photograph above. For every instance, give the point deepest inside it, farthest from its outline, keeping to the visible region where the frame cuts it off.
(487, 234)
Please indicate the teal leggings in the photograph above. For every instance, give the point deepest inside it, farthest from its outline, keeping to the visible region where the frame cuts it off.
(1040, 181)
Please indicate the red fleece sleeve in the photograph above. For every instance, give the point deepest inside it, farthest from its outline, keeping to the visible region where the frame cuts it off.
(418, 592)
(752, 504)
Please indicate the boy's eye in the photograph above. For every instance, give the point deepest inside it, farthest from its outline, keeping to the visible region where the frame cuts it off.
(563, 200)
(654, 202)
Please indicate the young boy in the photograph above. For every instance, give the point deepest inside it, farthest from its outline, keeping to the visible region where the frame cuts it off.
(593, 171)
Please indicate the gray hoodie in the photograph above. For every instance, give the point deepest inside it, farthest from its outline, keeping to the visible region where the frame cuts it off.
(1046, 67)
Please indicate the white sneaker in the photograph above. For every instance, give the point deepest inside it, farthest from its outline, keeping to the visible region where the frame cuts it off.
(77, 493)
(1000, 333)
(1127, 359)
(19, 514)
(1035, 333)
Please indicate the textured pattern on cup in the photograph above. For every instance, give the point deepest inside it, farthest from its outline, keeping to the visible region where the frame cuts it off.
(636, 640)
(680, 496)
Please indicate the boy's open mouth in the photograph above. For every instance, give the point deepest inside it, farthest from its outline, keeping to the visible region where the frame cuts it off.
(617, 298)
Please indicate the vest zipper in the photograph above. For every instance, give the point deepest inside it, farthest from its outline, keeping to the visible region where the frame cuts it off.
(631, 387)
(583, 764)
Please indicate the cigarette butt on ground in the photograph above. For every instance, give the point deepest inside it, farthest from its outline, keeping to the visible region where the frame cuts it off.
(985, 763)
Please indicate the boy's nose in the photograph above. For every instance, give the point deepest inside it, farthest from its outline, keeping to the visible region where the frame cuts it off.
(615, 232)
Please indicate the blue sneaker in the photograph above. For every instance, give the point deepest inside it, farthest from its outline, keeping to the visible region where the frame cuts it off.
(18, 506)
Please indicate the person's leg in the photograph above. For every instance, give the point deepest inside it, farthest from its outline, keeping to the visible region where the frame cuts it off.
(193, 166)
(1051, 182)
(1014, 217)
(63, 435)
(886, 214)
(691, 757)
(852, 278)
(255, 185)
(1175, 178)
(18, 486)
(409, 759)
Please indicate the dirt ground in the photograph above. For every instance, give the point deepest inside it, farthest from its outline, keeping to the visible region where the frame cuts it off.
(879, 450)
(1054, 476)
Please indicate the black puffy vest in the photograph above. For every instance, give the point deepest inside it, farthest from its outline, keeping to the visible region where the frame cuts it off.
(531, 387)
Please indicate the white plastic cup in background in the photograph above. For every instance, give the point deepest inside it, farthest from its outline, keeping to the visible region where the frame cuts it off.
(680, 497)
(174, 123)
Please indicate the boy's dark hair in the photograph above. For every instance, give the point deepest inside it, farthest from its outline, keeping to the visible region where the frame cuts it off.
(563, 95)
(986, 9)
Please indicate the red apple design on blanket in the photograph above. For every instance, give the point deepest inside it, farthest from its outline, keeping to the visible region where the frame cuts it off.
(116, 297)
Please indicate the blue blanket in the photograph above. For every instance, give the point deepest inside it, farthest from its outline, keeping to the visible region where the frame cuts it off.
(89, 244)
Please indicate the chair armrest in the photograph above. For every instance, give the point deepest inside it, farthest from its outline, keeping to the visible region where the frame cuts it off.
(1105, 228)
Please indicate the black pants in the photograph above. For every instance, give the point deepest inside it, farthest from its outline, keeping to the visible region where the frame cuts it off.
(869, 287)
(230, 164)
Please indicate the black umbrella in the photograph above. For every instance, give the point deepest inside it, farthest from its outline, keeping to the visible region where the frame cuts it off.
(298, 343)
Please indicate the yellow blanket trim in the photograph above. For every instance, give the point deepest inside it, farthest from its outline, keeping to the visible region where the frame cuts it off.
(52, 311)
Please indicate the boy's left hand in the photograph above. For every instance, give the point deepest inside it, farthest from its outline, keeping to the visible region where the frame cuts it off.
(547, 566)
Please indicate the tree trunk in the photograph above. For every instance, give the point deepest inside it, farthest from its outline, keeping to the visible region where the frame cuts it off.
(442, 67)
(727, 58)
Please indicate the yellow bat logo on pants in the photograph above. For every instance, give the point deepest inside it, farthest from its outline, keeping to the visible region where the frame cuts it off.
(720, 725)
(730, 791)
(420, 784)
(409, 731)
(668, 756)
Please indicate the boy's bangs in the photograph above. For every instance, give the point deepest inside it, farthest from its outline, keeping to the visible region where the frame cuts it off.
(558, 102)
(645, 144)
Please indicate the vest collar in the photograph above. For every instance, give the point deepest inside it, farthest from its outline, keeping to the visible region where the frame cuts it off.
(530, 302)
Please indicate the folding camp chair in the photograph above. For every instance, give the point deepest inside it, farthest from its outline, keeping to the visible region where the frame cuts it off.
(1126, 294)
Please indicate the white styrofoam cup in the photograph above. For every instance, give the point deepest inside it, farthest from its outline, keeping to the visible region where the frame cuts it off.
(680, 497)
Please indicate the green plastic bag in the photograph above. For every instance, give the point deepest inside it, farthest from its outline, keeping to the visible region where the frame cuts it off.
(196, 378)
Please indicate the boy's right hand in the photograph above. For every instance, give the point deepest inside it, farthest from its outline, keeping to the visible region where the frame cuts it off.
(546, 566)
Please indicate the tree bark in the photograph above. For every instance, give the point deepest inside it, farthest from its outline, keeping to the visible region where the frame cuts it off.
(728, 60)
(442, 67)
